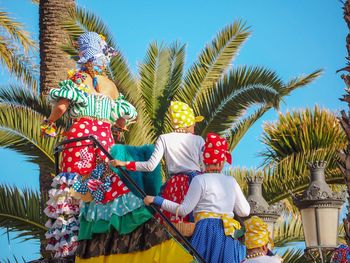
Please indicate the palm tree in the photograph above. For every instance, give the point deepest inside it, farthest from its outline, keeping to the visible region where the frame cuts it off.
(345, 121)
(215, 90)
(291, 142)
(54, 63)
(16, 47)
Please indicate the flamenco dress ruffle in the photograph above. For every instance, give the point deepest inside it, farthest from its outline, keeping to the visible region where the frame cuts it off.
(124, 230)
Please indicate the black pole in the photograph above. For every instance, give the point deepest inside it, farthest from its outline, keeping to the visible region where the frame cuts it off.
(190, 248)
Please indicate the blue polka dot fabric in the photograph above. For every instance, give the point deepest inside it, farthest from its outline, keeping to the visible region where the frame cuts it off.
(211, 242)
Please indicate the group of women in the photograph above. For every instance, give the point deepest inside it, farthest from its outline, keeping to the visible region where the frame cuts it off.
(95, 215)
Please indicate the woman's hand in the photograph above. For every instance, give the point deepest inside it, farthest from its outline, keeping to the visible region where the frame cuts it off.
(148, 200)
(116, 163)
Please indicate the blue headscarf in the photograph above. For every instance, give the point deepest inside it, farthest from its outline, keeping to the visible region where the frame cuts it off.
(92, 48)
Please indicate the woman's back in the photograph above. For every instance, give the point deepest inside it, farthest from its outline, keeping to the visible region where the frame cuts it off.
(182, 151)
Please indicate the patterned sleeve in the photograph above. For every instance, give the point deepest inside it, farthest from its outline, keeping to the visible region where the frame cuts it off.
(67, 89)
(124, 109)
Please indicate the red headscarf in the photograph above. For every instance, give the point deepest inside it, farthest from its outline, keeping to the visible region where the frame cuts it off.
(216, 150)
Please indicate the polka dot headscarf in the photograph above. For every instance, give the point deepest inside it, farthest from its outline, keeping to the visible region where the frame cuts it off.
(216, 150)
(257, 233)
(182, 115)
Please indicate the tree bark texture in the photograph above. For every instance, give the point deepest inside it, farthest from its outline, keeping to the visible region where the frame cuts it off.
(54, 63)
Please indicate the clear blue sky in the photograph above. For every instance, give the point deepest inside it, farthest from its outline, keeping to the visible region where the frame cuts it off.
(291, 37)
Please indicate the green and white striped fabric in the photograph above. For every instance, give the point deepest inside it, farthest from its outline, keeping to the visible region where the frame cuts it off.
(92, 105)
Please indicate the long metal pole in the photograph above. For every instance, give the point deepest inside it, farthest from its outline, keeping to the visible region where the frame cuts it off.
(190, 248)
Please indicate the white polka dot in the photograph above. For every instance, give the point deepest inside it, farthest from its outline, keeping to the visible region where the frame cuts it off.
(210, 145)
(102, 154)
(207, 155)
(73, 130)
(69, 169)
(82, 126)
(69, 159)
(216, 151)
(125, 188)
(106, 159)
(114, 179)
(88, 165)
(215, 160)
(218, 143)
(175, 120)
(183, 117)
(80, 134)
(70, 150)
(104, 142)
(119, 183)
(99, 122)
(77, 154)
(87, 131)
(213, 136)
(94, 128)
(103, 134)
(114, 194)
(79, 143)
(222, 155)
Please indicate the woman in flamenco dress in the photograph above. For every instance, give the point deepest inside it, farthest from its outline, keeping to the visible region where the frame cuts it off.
(113, 222)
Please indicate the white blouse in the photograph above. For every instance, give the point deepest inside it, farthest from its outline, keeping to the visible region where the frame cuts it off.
(182, 152)
(211, 192)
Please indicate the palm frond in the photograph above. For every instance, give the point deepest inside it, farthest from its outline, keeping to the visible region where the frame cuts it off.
(20, 211)
(154, 74)
(301, 81)
(212, 63)
(292, 174)
(18, 65)
(177, 61)
(20, 131)
(293, 256)
(236, 133)
(288, 228)
(16, 31)
(234, 94)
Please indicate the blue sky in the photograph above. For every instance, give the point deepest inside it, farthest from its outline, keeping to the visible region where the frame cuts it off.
(291, 37)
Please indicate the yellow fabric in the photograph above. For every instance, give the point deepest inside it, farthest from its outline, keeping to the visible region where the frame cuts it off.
(230, 224)
(167, 252)
(257, 233)
(182, 115)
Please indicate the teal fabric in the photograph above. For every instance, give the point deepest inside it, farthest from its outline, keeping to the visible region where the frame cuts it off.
(150, 182)
(120, 206)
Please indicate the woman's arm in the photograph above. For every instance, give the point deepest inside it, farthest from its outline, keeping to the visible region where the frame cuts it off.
(147, 166)
(242, 207)
(190, 201)
(58, 110)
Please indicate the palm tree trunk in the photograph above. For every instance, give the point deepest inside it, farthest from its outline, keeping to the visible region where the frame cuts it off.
(345, 122)
(54, 64)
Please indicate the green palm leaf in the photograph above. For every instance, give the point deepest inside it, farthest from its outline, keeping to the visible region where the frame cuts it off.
(236, 133)
(212, 63)
(234, 94)
(16, 31)
(20, 211)
(20, 131)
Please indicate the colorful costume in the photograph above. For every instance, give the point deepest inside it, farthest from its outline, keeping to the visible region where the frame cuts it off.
(182, 152)
(256, 236)
(114, 225)
(212, 197)
(83, 168)
(341, 255)
(124, 230)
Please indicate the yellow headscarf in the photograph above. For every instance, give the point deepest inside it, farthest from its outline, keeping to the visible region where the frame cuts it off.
(257, 233)
(182, 115)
